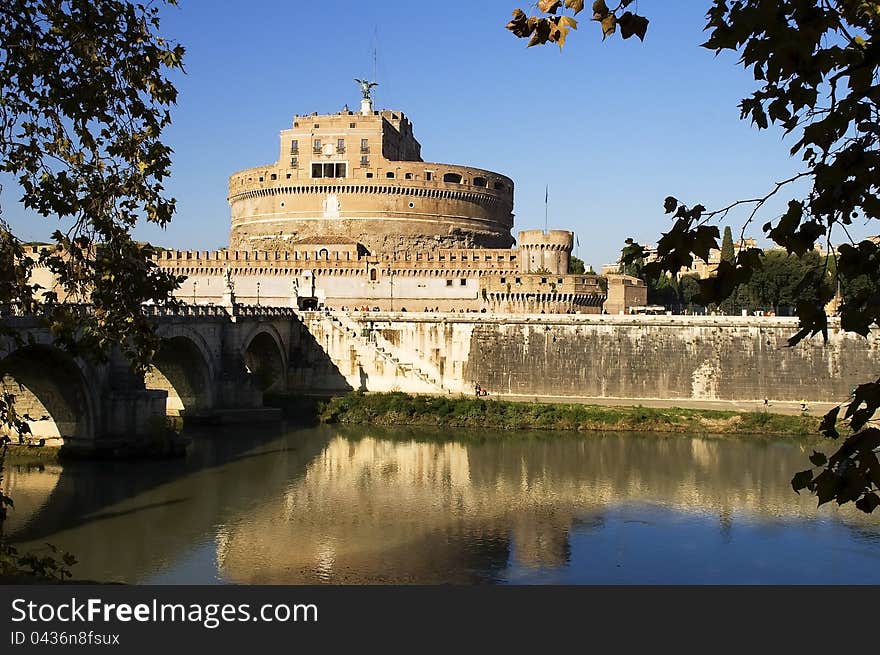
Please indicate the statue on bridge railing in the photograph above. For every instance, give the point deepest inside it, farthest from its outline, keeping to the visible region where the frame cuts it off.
(229, 291)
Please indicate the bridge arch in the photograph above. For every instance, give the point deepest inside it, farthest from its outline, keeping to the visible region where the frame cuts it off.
(265, 357)
(183, 367)
(50, 387)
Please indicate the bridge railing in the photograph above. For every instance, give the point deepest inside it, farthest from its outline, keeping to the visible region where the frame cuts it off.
(185, 310)
(263, 311)
(11, 315)
(77, 309)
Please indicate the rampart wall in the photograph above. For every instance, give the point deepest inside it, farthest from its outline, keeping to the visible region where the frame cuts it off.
(685, 357)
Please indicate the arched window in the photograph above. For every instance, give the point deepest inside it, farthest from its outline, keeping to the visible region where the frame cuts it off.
(324, 254)
(480, 181)
(374, 275)
(452, 177)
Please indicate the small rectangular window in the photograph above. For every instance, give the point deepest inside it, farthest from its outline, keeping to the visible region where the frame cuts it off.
(463, 282)
(351, 126)
(340, 145)
(294, 147)
(518, 280)
(543, 280)
(369, 175)
(448, 283)
(317, 170)
(317, 126)
(365, 145)
(408, 176)
(316, 146)
(429, 175)
(503, 280)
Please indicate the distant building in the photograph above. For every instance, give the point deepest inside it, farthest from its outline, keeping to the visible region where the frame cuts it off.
(700, 268)
(624, 292)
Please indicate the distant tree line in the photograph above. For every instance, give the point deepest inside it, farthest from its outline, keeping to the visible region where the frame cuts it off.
(781, 282)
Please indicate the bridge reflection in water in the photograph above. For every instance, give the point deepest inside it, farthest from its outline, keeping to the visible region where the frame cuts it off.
(361, 505)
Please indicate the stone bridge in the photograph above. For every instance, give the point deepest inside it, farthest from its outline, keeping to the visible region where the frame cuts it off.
(214, 361)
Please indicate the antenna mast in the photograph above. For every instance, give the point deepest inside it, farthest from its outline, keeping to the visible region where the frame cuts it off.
(375, 54)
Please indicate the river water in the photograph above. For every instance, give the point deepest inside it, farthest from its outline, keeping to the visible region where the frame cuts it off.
(356, 505)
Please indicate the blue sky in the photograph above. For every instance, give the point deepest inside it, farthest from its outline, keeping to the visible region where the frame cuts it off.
(612, 128)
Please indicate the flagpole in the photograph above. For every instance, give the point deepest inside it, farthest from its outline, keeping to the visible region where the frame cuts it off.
(546, 203)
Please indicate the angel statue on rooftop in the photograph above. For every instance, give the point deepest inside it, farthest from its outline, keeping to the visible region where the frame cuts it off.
(366, 87)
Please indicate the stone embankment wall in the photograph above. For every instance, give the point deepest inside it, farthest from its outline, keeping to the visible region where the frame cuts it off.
(670, 357)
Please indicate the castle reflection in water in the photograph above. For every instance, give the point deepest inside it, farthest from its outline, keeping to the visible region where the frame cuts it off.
(361, 505)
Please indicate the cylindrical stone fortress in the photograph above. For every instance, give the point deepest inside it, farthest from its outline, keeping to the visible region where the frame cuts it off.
(361, 177)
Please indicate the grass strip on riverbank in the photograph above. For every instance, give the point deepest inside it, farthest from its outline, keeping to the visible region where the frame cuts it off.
(33, 454)
(464, 412)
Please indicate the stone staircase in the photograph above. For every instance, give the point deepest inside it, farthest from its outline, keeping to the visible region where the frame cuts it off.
(368, 362)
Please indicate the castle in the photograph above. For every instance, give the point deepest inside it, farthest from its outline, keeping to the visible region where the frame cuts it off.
(351, 216)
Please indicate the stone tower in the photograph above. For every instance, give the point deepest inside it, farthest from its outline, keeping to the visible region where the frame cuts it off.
(540, 251)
